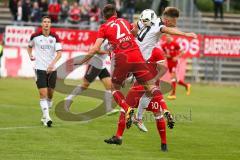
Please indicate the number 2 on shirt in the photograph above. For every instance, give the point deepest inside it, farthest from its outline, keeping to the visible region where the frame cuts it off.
(120, 34)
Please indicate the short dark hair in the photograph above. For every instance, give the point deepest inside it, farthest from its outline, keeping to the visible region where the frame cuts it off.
(172, 12)
(44, 17)
(109, 10)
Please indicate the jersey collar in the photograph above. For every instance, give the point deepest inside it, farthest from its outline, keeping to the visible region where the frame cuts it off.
(112, 18)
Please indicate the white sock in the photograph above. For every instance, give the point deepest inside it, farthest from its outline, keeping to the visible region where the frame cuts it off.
(143, 103)
(44, 107)
(50, 103)
(108, 100)
(76, 91)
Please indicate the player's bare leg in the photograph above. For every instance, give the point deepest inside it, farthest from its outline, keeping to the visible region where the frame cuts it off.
(46, 120)
(50, 96)
(172, 95)
(108, 96)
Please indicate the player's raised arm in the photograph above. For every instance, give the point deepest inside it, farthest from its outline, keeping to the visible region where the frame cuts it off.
(94, 50)
(175, 31)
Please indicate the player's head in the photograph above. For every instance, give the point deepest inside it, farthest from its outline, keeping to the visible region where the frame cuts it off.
(170, 16)
(148, 17)
(109, 10)
(46, 23)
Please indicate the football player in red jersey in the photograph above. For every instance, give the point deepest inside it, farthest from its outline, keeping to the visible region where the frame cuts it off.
(126, 59)
(173, 52)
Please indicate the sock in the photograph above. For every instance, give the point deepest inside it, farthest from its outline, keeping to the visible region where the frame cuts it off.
(157, 94)
(76, 91)
(174, 85)
(108, 100)
(182, 83)
(161, 126)
(50, 103)
(120, 99)
(44, 107)
(121, 124)
(143, 103)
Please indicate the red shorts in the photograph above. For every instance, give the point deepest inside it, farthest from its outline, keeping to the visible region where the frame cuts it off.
(172, 65)
(134, 95)
(130, 62)
(156, 56)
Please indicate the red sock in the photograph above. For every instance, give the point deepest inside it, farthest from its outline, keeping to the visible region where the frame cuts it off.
(174, 84)
(157, 93)
(121, 125)
(120, 99)
(182, 83)
(161, 126)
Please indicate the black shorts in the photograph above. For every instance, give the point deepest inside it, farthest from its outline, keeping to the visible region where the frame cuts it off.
(44, 80)
(92, 72)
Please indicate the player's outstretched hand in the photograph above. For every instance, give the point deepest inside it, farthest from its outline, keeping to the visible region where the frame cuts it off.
(191, 35)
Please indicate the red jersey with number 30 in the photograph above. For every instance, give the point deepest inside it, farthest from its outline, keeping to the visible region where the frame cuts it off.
(118, 33)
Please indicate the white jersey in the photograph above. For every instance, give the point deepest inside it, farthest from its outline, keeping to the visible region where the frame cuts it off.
(99, 60)
(45, 49)
(148, 37)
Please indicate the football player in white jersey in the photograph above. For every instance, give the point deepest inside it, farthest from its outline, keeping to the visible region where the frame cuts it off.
(47, 49)
(148, 31)
(96, 68)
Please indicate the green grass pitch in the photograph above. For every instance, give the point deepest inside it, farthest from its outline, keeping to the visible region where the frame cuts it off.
(207, 128)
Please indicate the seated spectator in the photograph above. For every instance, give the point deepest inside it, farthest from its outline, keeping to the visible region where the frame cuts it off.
(43, 6)
(94, 17)
(54, 10)
(64, 11)
(75, 13)
(26, 7)
(36, 13)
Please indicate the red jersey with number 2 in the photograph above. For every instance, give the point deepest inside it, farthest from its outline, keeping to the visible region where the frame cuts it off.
(118, 33)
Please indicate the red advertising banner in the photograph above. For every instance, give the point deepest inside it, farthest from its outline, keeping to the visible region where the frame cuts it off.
(223, 46)
(190, 46)
(76, 40)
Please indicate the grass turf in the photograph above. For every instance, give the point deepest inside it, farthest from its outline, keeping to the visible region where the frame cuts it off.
(207, 127)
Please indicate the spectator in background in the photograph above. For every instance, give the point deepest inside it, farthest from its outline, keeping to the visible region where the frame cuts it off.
(218, 7)
(43, 6)
(36, 13)
(13, 8)
(54, 10)
(75, 13)
(26, 10)
(64, 11)
(118, 7)
(163, 4)
(85, 9)
(19, 11)
(94, 17)
(130, 9)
